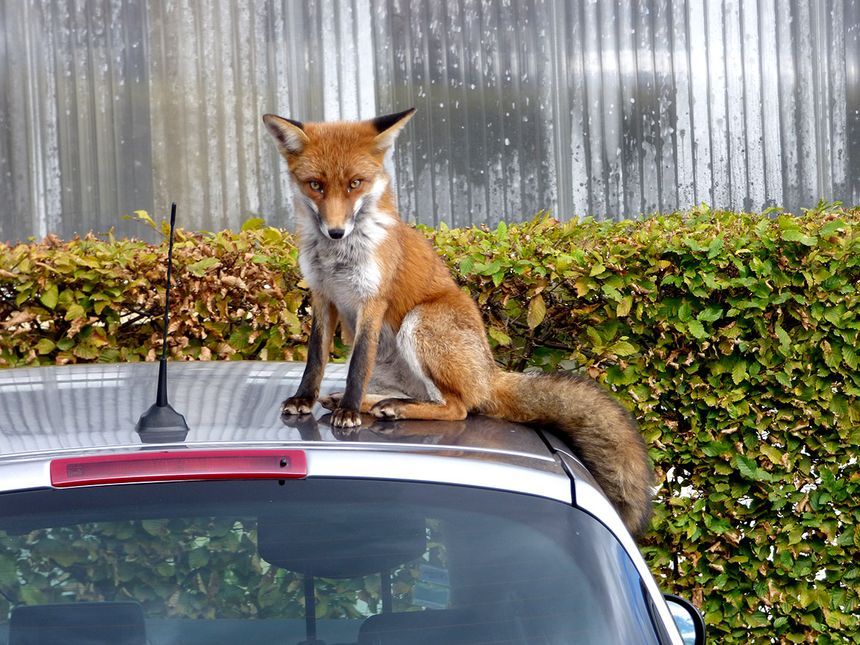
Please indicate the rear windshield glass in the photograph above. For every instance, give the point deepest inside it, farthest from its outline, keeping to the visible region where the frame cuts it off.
(339, 561)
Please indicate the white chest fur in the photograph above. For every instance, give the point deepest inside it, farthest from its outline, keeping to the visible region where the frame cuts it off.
(346, 272)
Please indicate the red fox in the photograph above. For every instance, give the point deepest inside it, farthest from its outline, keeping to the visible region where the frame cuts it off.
(414, 331)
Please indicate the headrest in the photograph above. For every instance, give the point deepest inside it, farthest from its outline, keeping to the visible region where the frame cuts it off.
(345, 543)
(78, 623)
(433, 626)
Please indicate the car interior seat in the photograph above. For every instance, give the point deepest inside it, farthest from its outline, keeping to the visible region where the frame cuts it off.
(78, 623)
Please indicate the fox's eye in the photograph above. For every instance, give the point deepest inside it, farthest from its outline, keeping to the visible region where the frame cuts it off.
(315, 186)
(354, 184)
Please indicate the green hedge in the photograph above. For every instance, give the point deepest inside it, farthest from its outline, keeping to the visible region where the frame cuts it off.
(235, 296)
(733, 338)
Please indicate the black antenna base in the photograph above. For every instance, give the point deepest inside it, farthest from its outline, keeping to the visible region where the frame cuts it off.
(161, 423)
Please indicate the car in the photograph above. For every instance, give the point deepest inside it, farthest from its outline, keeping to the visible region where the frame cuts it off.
(255, 528)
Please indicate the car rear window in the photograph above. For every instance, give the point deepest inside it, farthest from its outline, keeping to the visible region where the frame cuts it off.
(339, 561)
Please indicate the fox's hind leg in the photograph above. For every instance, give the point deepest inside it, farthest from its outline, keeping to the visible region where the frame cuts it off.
(450, 409)
(332, 401)
(444, 346)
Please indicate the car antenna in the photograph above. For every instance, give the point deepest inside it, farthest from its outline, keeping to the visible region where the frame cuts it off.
(161, 423)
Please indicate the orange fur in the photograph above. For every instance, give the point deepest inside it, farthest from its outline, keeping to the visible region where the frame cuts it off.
(412, 324)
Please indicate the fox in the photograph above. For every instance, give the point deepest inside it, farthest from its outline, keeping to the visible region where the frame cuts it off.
(419, 345)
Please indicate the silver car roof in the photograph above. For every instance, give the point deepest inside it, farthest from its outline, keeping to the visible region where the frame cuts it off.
(96, 406)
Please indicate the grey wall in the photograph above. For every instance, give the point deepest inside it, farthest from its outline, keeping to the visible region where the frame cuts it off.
(610, 108)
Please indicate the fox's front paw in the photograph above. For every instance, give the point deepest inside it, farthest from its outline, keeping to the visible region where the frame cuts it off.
(296, 405)
(345, 418)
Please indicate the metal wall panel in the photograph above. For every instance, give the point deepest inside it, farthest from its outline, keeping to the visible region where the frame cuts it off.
(611, 108)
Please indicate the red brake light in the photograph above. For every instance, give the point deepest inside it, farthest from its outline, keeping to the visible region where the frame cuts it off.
(178, 465)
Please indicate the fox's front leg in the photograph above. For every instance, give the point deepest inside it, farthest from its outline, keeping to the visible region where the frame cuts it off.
(368, 326)
(322, 331)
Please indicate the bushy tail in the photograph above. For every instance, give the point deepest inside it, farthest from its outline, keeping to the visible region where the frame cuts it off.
(601, 432)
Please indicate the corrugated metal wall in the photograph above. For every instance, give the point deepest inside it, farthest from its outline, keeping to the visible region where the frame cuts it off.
(610, 108)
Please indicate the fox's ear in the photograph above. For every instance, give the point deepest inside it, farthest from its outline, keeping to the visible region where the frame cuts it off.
(289, 135)
(389, 126)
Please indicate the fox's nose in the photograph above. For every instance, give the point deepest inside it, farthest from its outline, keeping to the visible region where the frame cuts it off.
(335, 233)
